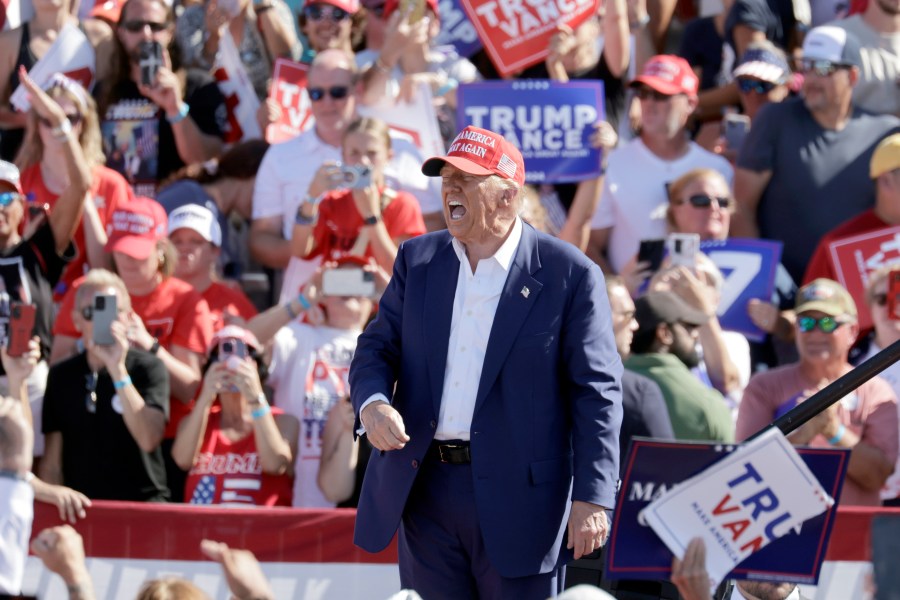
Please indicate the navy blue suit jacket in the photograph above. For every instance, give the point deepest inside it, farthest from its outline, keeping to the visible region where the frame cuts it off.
(548, 410)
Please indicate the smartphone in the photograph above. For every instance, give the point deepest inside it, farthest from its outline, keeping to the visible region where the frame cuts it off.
(885, 549)
(652, 251)
(232, 347)
(348, 282)
(415, 9)
(735, 128)
(683, 248)
(151, 59)
(356, 177)
(21, 325)
(893, 294)
(104, 313)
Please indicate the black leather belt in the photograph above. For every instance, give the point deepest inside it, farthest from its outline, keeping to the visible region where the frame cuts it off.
(454, 452)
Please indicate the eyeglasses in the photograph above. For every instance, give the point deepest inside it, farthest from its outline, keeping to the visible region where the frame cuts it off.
(7, 198)
(318, 13)
(704, 201)
(90, 388)
(822, 68)
(338, 92)
(825, 324)
(74, 119)
(645, 93)
(137, 25)
(748, 86)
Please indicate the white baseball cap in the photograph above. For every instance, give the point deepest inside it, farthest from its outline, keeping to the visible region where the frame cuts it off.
(198, 218)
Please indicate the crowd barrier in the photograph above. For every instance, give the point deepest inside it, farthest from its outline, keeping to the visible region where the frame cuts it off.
(309, 554)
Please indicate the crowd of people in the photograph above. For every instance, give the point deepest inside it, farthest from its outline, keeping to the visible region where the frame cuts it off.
(748, 119)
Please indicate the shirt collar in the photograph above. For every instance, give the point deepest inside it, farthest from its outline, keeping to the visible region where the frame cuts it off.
(504, 254)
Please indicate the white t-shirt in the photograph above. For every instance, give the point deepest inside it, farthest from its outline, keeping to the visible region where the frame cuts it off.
(16, 516)
(634, 200)
(309, 374)
(876, 91)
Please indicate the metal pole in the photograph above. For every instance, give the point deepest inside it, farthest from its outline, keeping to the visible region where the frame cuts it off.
(834, 391)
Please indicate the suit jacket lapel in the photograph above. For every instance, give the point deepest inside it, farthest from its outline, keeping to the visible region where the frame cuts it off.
(440, 290)
(515, 304)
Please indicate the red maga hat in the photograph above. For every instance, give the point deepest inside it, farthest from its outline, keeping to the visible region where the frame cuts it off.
(135, 227)
(478, 151)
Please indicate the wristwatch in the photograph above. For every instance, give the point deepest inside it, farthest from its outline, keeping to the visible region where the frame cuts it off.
(373, 220)
(154, 348)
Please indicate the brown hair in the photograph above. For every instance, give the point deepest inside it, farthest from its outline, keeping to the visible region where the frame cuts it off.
(171, 588)
(372, 126)
(241, 161)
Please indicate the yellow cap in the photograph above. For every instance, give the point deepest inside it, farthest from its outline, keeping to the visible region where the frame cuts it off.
(886, 156)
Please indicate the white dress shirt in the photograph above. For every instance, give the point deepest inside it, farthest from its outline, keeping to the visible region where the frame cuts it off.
(474, 306)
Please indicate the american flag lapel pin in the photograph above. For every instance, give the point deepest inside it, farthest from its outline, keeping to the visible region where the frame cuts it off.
(525, 291)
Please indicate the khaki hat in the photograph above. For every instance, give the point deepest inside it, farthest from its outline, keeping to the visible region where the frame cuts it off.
(827, 296)
(886, 156)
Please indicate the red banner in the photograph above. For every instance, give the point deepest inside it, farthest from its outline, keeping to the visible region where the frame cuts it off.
(515, 33)
(856, 258)
(289, 91)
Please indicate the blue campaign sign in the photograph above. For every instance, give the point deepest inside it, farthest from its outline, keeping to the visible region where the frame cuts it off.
(548, 121)
(749, 267)
(456, 29)
(636, 552)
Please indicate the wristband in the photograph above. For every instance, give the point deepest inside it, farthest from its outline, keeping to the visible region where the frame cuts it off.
(260, 412)
(154, 348)
(183, 110)
(290, 311)
(303, 301)
(451, 84)
(122, 383)
(838, 436)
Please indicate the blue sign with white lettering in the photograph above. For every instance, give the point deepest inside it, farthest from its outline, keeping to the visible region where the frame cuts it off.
(748, 266)
(456, 29)
(549, 122)
(636, 552)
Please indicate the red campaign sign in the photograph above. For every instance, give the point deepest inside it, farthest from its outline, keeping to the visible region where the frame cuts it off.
(289, 91)
(515, 33)
(856, 258)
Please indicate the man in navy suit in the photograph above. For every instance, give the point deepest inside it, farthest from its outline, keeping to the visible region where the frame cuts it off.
(489, 383)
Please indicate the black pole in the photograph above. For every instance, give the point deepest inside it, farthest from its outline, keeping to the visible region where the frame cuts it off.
(834, 391)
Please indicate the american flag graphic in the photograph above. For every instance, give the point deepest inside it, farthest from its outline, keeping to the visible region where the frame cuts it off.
(507, 165)
(205, 490)
(232, 486)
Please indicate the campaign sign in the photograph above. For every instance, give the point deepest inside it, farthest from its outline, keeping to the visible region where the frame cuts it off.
(241, 103)
(653, 468)
(516, 34)
(856, 258)
(748, 266)
(549, 122)
(289, 91)
(456, 29)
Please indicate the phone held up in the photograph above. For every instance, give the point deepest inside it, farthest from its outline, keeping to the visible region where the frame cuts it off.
(104, 312)
(348, 282)
(21, 324)
(683, 249)
(893, 294)
(151, 59)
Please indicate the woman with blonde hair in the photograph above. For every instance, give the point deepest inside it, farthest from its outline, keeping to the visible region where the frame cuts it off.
(45, 174)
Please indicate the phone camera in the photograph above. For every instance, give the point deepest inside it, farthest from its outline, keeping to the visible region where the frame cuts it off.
(100, 303)
(228, 347)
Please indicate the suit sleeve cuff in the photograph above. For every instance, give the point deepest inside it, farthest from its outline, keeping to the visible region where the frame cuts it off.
(369, 400)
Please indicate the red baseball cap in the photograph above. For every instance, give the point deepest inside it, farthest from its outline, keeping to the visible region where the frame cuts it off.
(478, 151)
(391, 5)
(669, 75)
(109, 10)
(350, 6)
(135, 227)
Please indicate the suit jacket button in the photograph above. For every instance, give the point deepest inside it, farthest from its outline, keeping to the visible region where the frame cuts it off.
(433, 424)
(415, 464)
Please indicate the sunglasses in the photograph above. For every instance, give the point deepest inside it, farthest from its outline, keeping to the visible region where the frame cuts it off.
(704, 201)
(749, 86)
(74, 119)
(825, 324)
(318, 13)
(645, 93)
(822, 68)
(136, 26)
(338, 92)
(7, 198)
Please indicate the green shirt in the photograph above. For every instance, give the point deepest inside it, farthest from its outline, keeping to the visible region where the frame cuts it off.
(697, 412)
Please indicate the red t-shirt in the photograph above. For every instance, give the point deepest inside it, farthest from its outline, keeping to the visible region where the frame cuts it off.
(229, 472)
(108, 190)
(223, 299)
(339, 222)
(821, 264)
(174, 313)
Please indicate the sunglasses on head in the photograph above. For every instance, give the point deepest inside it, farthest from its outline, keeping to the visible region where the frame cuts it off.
(7, 198)
(822, 68)
(748, 86)
(138, 25)
(74, 119)
(825, 324)
(316, 12)
(338, 92)
(645, 93)
(704, 201)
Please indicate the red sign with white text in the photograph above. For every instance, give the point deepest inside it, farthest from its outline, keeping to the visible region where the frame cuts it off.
(856, 258)
(515, 33)
(289, 91)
